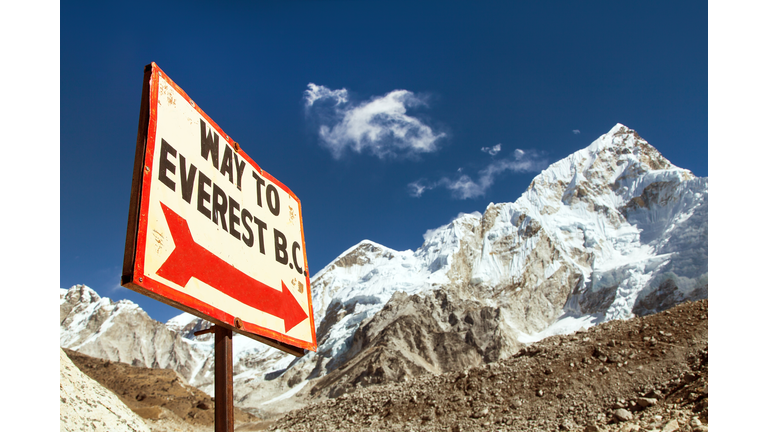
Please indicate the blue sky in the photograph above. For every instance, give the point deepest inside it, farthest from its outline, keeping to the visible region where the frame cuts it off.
(386, 119)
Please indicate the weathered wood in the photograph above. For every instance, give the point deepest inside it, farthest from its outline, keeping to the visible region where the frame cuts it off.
(129, 255)
(223, 392)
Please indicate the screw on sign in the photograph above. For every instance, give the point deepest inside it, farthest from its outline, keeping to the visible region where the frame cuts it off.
(213, 234)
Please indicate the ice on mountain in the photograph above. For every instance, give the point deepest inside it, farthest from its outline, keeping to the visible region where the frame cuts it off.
(610, 231)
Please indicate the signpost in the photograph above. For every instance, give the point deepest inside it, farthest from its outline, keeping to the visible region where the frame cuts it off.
(211, 233)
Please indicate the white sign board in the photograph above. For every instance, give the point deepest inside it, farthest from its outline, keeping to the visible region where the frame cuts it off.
(215, 234)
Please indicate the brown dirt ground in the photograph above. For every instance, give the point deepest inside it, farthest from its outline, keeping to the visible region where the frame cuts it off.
(159, 396)
(644, 374)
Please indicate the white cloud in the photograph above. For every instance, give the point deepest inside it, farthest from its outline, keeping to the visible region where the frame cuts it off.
(417, 188)
(315, 92)
(493, 151)
(379, 126)
(576, 131)
(464, 187)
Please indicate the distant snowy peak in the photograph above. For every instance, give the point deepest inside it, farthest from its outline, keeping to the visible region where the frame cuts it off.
(122, 331)
(84, 315)
(187, 324)
(360, 254)
(613, 168)
(604, 227)
(347, 275)
(78, 294)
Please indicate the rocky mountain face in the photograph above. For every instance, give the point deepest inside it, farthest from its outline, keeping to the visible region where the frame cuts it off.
(610, 232)
(160, 397)
(123, 332)
(85, 405)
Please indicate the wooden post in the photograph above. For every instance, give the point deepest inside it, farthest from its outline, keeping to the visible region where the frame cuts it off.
(225, 413)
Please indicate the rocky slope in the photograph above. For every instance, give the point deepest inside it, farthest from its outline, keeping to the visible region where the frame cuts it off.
(434, 332)
(122, 332)
(644, 374)
(85, 405)
(161, 397)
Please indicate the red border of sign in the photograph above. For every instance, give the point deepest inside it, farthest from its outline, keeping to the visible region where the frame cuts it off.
(136, 239)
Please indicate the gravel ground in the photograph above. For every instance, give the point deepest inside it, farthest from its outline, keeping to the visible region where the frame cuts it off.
(644, 374)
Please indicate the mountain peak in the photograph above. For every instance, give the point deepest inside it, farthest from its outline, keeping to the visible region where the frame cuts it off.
(359, 254)
(621, 129)
(618, 128)
(622, 144)
(82, 294)
(611, 167)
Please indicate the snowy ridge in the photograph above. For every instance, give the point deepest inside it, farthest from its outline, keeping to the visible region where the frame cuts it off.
(616, 217)
(122, 331)
(361, 281)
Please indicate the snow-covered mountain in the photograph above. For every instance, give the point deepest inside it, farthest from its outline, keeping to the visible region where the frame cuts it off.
(122, 331)
(611, 231)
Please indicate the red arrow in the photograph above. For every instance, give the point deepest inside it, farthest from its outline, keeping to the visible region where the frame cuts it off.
(189, 259)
